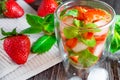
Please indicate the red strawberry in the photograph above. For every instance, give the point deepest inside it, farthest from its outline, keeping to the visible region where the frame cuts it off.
(11, 9)
(47, 7)
(17, 47)
(29, 1)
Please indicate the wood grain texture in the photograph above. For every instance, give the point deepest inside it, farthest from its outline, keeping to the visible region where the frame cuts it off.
(57, 72)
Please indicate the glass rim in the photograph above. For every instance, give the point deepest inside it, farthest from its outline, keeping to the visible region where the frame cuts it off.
(97, 1)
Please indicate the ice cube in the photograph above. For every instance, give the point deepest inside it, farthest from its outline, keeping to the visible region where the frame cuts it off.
(75, 78)
(98, 74)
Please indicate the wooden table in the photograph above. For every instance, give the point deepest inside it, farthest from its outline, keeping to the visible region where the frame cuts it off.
(57, 72)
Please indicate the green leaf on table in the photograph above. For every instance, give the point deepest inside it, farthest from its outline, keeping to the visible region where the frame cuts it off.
(49, 23)
(31, 30)
(87, 59)
(43, 44)
(49, 28)
(70, 32)
(49, 18)
(34, 20)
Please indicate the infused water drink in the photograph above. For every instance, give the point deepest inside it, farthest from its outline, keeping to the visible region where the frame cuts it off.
(82, 28)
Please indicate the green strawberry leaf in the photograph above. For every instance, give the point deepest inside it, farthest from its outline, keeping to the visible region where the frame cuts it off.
(87, 59)
(13, 32)
(31, 30)
(70, 32)
(34, 20)
(89, 42)
(43, 44)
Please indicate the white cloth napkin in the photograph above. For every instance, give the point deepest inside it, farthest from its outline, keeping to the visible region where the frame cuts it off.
(36, 63)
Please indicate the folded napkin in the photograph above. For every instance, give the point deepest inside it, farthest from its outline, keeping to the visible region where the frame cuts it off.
(36, 63)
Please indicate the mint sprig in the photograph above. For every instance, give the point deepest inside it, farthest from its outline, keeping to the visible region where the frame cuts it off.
(85, 58)
(38, 25)
(115, 43)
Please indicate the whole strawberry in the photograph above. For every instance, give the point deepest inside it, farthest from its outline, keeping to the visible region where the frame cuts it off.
(47, 7)
(29, 1)
(17, 46)
(11, 9)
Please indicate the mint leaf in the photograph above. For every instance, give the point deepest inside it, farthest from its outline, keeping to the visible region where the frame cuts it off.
(31, 30)
(87, 59)
(49, 27)
(89, 42)
(76, 22)
(72, 12)
(49, 18)
(91, 25)
(62, 13)
(34, 20)
(115, 43)
(117, 23)
(70, 32)
(43, 44)
(49, 23)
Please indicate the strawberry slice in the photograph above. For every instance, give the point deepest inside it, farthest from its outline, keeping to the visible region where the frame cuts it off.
(82, 10)
(71, 42)
(88, 35)
(96, 14)
(74, 58)
(101, 38)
